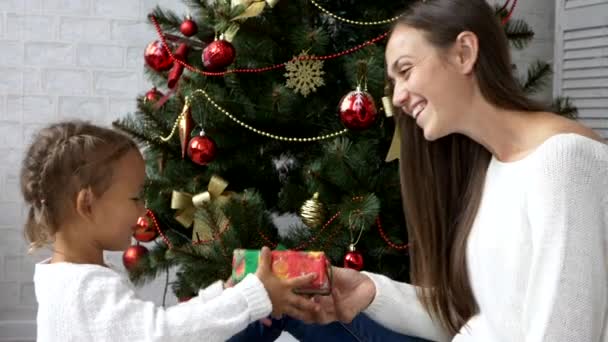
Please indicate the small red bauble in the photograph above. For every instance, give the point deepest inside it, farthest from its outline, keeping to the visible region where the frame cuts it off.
(188, 27)
(145, 229)
(218, 55)
(133, 255)
(153, 95)
(358, 110)
(202, 149)
(353, 259)
(157, 57)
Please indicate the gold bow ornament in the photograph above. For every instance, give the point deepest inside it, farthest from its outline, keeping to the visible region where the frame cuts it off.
(187, 205)
(253, 8)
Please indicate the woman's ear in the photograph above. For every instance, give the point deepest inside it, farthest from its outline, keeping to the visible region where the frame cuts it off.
(465, 52)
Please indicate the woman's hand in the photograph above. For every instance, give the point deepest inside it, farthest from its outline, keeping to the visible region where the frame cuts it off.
(352, 293)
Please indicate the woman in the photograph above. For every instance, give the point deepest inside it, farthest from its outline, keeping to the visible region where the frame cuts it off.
(506, 204)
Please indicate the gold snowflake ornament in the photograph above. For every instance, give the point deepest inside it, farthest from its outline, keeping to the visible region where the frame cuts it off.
(304, 75)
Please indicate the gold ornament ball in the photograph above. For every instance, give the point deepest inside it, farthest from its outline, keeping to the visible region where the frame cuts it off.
(312, 212)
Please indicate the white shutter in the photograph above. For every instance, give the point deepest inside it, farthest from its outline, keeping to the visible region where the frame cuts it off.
(581, 59)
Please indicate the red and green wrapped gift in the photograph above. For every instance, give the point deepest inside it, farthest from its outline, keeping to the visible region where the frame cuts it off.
(285, 265)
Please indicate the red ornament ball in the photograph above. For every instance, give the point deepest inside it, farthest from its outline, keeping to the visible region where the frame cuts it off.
(133, 255)
(202, 150)
(358, 110)
(153, 95)
(157, 57)
(354, 260)
(145, 229)
(188, 27)
(218, 55)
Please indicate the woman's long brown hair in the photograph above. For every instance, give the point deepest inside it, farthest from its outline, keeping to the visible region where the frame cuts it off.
(442, 181)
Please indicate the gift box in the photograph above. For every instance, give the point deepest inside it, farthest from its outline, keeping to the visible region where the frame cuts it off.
(287, 264)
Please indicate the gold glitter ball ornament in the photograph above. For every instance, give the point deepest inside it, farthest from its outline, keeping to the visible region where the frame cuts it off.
(312, 212)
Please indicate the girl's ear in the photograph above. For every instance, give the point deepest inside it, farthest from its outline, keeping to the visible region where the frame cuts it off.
(84, 203)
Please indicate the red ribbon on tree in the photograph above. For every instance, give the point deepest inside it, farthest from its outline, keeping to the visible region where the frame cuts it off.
(178, 68)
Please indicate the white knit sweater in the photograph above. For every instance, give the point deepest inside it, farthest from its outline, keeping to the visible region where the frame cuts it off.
(82, 302)
(537, 254)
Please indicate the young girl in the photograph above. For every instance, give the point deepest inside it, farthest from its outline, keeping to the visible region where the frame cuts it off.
(83, 184)
(506, 203)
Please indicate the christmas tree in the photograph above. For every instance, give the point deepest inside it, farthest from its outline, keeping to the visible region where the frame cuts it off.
(274, 108)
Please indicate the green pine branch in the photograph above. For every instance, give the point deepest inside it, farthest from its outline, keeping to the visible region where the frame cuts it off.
(197, 4)
(223, 13)
(538, 76)
(519, 33)
(151, 265)
(314, 40)
(151, 118)
(565, 107)
(168, 20)
(180, 286)
(158, 79)
(129, 127)
(360, 213)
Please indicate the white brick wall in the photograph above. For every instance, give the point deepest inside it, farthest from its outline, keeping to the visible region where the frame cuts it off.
(83, 58)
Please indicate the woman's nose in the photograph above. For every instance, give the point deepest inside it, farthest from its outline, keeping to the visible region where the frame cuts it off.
(400, 95)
